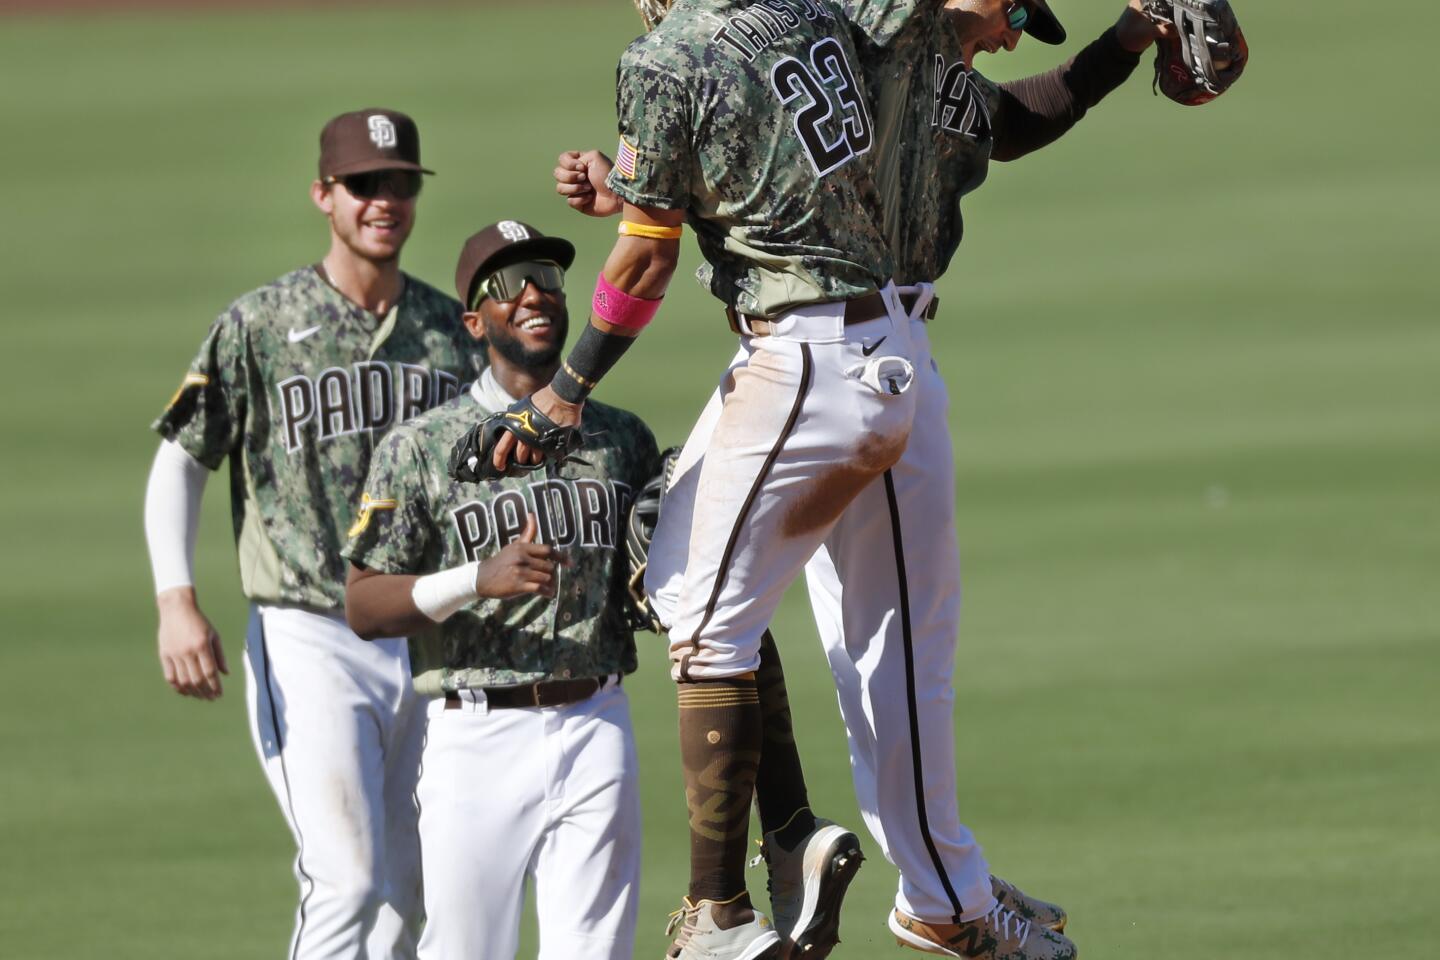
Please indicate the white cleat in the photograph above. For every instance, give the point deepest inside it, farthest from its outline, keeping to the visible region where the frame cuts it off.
(808, 885)
(698, 938)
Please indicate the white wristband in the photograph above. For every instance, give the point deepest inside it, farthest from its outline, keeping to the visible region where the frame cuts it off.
(439, 595)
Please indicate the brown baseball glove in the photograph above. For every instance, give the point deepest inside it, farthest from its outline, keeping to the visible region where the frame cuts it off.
(1204, 55)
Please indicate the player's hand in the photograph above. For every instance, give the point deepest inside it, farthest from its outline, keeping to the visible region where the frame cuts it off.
(523, 567)
(190, 651)
(509, 446)
(1136, 31)
(580, 179)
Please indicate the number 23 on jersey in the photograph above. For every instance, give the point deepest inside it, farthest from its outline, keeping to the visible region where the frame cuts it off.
(833, 131)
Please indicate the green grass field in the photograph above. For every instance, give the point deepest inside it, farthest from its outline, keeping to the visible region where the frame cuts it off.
(1194, 362)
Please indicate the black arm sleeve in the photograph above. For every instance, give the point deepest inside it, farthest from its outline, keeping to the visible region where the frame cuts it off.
(1037, 111)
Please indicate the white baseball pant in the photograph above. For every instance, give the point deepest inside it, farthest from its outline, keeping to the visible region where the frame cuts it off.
(548, 794)
(802, 421)
(338, 728)
(885, 590)
(904, 774)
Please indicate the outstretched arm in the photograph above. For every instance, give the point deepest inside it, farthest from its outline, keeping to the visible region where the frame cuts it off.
(1037, 111)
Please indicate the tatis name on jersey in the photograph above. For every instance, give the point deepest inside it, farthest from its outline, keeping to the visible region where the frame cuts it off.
(364, 396)
(751, 30)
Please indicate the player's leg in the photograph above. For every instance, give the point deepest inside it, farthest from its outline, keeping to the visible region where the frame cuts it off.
(482, 796)
(587, 869)
(401, 913)
(314, 720)
(805, 888)
(886, 593)
(670, 543)
(781, 796)
(800, 430)
(804, 424)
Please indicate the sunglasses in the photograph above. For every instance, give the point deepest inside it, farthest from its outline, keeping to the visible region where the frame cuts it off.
(1017, 14)
(402, 184)
(507, 283)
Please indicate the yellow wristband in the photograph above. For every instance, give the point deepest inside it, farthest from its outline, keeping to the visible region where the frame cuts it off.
(629, 228)
(587, 384)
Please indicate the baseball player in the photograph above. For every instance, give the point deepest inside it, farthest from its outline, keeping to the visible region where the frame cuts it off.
(514, 597)
(891, 646)
(748, 121)
(295, 383)
(891, 654)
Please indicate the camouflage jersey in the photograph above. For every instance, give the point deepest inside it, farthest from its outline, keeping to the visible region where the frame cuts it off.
(296, 384)
(933, 135)
(415, 519)
(750, 115)
(938, 122)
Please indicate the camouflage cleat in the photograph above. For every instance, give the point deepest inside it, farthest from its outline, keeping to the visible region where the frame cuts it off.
(1042, 913)
(807, 886)
(700, 939)
(999, 935)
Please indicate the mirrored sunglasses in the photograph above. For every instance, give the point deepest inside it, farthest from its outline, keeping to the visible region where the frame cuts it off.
(1017, 14)
(507, 283)
(401, 184)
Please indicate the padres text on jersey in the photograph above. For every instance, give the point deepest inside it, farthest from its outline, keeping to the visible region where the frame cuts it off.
(296, 384)
(430, 522)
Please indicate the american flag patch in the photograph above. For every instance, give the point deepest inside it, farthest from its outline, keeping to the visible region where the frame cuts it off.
(625, 157)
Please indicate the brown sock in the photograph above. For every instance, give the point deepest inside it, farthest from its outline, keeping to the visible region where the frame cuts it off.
(780, 783)
(720, 750)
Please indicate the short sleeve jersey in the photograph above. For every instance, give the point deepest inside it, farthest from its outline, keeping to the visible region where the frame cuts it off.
(295, 384)
(750, 115)
(933, 129)
(414, 519)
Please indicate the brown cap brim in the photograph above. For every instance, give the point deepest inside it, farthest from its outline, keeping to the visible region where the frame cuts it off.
(371, 165)
(1043, 24)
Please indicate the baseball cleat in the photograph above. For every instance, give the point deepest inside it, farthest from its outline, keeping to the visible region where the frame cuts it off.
(998, 935)
(807, 886)
(698, 937)
(1039, 912)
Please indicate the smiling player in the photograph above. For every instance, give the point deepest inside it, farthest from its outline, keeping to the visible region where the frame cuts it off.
(295, 384)
(514, 597)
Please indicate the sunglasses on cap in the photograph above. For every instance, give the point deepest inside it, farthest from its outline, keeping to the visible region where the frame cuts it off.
(402, 184)
(1017, 14)
(507, 283)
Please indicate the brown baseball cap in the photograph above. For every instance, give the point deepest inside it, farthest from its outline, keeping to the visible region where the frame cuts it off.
(1043, 24)
(366, 140)
(501, 244)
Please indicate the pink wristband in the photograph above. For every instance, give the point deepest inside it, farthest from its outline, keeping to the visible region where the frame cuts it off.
(618, 308)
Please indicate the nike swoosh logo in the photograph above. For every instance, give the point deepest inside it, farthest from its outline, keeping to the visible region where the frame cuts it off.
(873, 347)
(297, 335)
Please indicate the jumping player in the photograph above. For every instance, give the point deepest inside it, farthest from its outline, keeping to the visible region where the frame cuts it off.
(295, 383)
(931, 148)
(514, 598)
(749, 122)
(891, 644)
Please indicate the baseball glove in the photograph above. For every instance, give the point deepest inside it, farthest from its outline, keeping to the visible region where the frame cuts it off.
(471, 458)
(639, 530)
(1205, 55)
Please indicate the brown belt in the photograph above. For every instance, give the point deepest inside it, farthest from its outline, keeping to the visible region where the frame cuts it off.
(860, 310)
(546, 693)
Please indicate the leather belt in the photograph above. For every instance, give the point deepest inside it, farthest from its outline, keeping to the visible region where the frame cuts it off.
(546, 693)
(860, 310)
